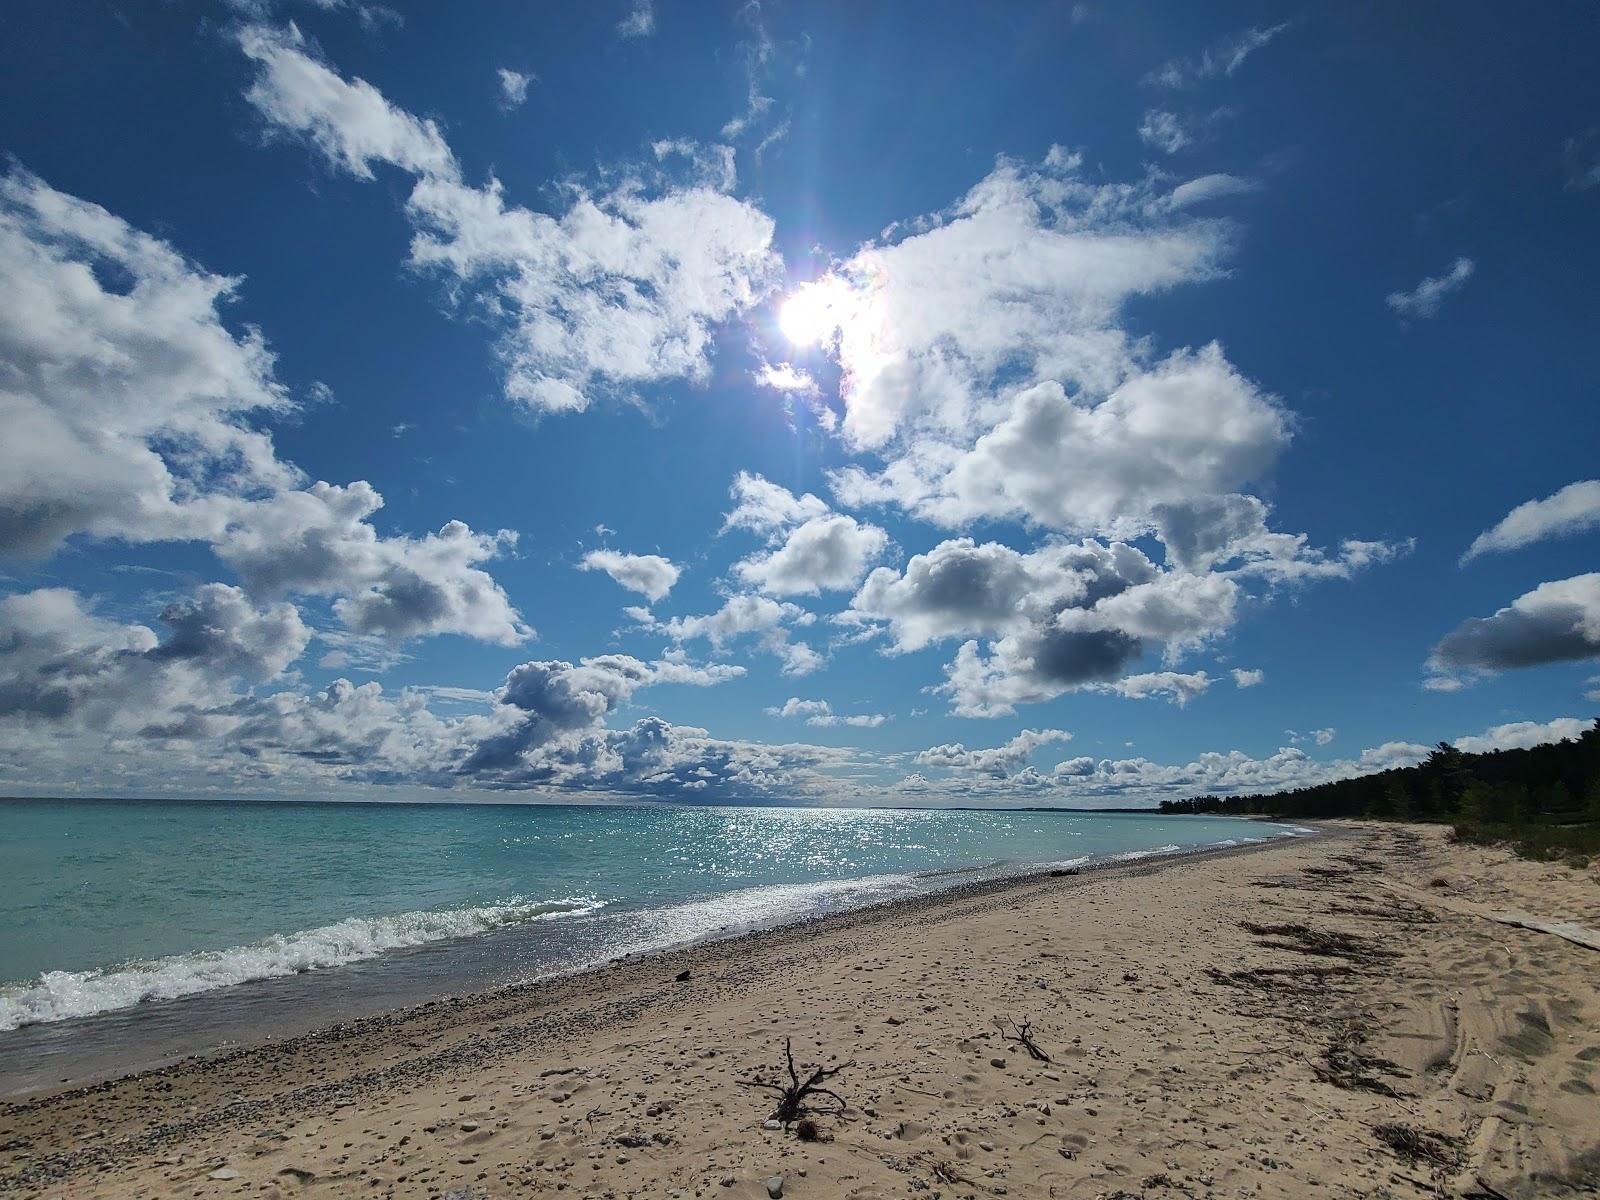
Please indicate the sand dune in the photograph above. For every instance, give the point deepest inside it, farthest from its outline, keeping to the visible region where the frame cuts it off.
(1333, 1017)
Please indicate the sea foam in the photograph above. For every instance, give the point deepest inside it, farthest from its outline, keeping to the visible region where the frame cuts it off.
(61, 995)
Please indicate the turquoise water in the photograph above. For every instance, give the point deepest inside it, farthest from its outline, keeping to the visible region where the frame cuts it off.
(107, 905)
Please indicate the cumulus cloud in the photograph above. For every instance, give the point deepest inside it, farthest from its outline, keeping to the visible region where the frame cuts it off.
(768, 621)
(651, 575)
(1320, 736)
(1247, 678)
(813, 549)
(1423, 301)
(1222, 57)
(1026, 274)
(1176, 686)
(1523, 735)
(622, 288)
(825, 554)
(997, 761)
(127, 404)
(984, 362)
(1129, 780)
(188, 701)
(1231, 531)
(62, 664)
(1393, 754)
(1064, 616)
(820, 713)
(319, 542)
(767, 507)
(1557, 621)
(1190, 426)
(125, 399)
(1572, 510)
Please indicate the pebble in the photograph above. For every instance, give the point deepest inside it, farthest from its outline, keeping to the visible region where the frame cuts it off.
(997, 1062)
(224, 1173)
(772, 1123)
(775, 1187)
(469, 1126)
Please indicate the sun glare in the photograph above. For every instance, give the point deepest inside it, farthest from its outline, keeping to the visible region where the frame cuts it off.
(814, 311)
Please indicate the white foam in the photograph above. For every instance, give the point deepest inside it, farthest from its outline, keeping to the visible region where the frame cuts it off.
(60, 995)
(1134, 855)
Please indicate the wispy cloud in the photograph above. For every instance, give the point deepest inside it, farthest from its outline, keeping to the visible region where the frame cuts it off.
(1423, 301)
(513, 87)
(640, 21)
(1222, 57)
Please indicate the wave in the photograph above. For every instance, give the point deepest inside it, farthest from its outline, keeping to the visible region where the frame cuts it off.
(62, 995)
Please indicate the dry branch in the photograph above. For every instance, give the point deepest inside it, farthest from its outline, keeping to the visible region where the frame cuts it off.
(1021, 1035)
(793, 1096)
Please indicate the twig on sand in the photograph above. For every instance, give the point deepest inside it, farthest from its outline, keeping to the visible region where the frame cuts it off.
(794, 1095)
(1021, 1035)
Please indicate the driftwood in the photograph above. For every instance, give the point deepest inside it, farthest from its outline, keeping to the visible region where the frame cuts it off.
(793, 1096)
(1021, 1035)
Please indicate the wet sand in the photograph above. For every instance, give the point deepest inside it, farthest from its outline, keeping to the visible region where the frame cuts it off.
(1326, 1017)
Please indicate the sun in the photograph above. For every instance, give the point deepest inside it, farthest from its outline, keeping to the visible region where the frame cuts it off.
(814, 311)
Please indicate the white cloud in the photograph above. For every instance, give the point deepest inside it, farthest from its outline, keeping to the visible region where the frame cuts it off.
(621, 289)
(1557, 621)
(1208, 187)
(785, 377)
(1522, 735)
(768, 621)
(650, 575)
(767, 507)
(1178, 687)
(811, 548)
(126, 410)
(1025, 275)
(1191, 426)
(1574, 509)
(1163, 131)
(820, 713)
(1393, 754)
(825, 554)
(1247, 678)
(1423, 301)
(62, 665)
(1065, 616)
(126, 406)
(1222, 57)
(997, 761)
(640, 21)
(513, 87)
(320, 541)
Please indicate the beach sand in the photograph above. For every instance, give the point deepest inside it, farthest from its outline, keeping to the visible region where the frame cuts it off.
(1316, 1017)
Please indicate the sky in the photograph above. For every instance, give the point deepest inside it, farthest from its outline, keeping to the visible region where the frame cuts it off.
(1053, 404)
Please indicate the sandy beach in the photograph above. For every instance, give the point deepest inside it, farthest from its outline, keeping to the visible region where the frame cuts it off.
(1336, 1016)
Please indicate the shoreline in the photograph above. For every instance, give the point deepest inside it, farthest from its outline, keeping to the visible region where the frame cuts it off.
(970, 888)
(1232, 1021)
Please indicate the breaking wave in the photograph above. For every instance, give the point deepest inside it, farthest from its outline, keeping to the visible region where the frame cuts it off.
(61, 995)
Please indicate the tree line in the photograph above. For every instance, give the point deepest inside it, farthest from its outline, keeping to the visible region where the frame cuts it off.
(1544, 800)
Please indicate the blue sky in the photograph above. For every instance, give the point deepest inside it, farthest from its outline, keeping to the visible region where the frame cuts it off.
(1048, 404)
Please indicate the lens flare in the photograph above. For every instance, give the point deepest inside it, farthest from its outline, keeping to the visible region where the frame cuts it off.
(814, 311)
